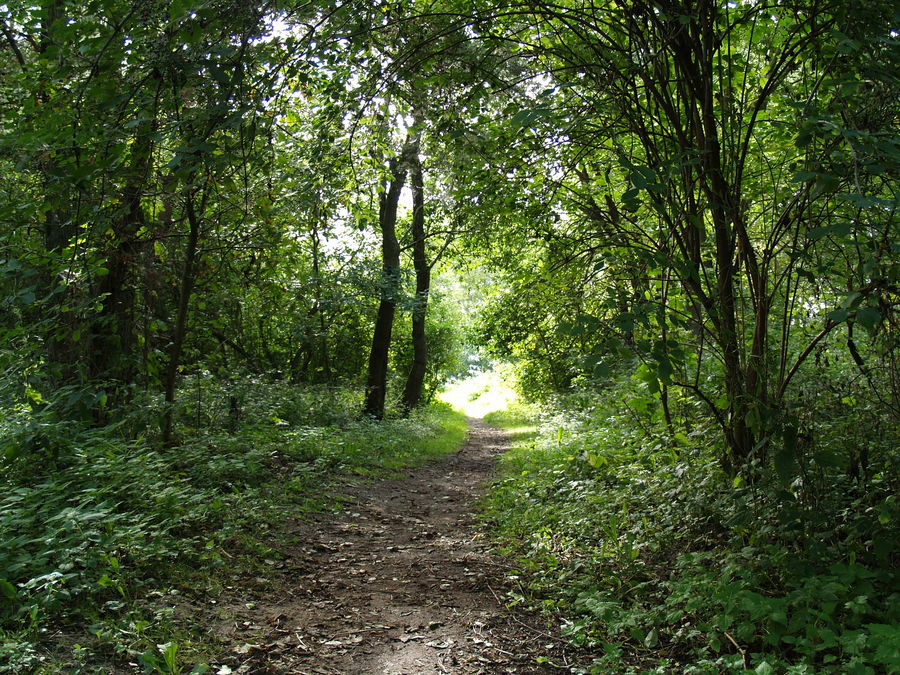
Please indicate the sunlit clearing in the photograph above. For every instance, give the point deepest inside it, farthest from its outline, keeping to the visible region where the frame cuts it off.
(476, 396)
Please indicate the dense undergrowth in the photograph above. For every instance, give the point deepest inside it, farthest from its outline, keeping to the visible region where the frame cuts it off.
(99, 524)
(663, 564)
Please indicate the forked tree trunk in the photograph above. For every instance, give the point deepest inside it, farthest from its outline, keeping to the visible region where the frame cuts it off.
(376, 382)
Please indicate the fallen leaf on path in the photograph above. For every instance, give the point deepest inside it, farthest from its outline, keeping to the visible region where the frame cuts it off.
(406, 638)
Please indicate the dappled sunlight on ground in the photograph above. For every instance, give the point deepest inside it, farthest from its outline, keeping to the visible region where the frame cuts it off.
(484, 393)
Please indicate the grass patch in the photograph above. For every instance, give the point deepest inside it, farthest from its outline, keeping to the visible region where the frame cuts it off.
(520, 421)
(451, 426)
(482, 394)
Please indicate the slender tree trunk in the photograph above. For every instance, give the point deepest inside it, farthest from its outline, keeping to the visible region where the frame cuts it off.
(376, 382)
(324, 356)
(693, 55)
(412, 393)
(58, 230)
(188, 276)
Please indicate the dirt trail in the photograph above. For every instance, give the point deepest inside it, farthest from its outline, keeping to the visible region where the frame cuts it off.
(400, 583)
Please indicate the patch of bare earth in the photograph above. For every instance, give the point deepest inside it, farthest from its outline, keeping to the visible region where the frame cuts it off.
(401, 582)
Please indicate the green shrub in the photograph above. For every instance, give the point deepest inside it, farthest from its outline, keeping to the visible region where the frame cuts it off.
(660, 561)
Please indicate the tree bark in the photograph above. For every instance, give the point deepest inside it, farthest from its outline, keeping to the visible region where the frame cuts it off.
(376, 382)
(412, 393)
(58, 229)
(188, 276)
(114, 332)
(693, 61)
(324, 358)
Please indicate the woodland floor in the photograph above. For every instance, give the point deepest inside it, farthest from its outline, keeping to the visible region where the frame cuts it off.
(399, 582)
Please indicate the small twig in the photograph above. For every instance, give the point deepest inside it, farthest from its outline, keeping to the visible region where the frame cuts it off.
(741, 651)
(499, 601)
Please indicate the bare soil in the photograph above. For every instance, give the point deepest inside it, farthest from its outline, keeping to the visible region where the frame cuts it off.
(400, 583)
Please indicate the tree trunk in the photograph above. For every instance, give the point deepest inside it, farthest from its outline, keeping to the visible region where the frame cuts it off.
(412, 393)
(114, 334)
(324, 358)
(188, 277)
(692, 60)
(376, 382)
(58, 229)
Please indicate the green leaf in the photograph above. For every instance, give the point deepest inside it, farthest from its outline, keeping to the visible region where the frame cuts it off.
(863, 201)
(7, 590)
(827, 458)
(640, 404)
(664, 369)
(625, 322)
(219, 75)
(803, 139)
(601, 370)
(178, 9)
(150, 660)
(644, 178)
(785, 465)
(840, 229)
(595, 460)
(838, 315)
(568, 328)
(644, 374)
(868, 317)
(824, 183)
(852, 299)
(529, 116)
(803, 176)
(630, 199)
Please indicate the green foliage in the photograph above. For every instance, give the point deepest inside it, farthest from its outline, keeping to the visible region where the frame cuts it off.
(659, 560)
(691, 207)
(638, 255)
(444, 326)
(92, 524)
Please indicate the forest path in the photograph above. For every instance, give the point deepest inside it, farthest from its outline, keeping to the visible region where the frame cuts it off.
(399, 583)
